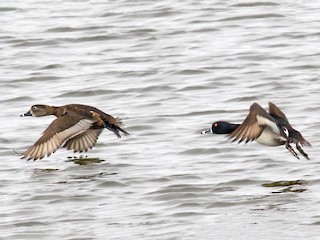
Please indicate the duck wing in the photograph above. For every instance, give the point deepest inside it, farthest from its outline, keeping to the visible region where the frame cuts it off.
(294, 135)
(254, 124)
(278, 115)
(83, 141)
(59, 131)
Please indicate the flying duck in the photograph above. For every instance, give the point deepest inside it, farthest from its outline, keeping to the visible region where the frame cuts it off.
(77, 127)
(270, 129)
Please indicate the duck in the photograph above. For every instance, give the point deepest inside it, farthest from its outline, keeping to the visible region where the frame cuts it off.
(267, 128)
(77, 127)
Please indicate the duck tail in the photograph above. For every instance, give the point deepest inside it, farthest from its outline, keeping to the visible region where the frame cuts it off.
(296, 137)
(119, 126)
(115, 128)
(122, 130)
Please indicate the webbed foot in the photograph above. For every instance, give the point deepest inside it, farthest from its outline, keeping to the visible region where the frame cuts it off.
(290, 149)
(302, 152)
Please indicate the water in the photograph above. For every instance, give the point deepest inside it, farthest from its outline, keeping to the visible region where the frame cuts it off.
(168, 69)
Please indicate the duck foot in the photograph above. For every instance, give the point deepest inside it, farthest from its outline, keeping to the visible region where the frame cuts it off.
(290, 149)
(302, 152)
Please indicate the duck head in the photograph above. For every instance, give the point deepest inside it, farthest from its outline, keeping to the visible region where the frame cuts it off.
(221, 127)
(37, 111)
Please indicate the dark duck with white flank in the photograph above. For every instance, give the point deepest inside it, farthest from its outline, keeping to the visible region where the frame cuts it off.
(270, 129)
(77, 127)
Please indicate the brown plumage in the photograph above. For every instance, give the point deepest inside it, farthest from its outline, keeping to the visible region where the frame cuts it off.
(251, 128)
(77, 128)
(265, 128)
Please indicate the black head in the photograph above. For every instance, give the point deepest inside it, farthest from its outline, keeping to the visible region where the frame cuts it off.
(222, 127)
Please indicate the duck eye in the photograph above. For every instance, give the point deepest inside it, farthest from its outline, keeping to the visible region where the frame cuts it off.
(34, 108)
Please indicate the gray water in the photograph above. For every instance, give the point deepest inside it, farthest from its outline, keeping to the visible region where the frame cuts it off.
(168, 69)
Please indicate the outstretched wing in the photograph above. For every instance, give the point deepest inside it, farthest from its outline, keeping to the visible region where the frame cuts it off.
(253, 125)
(59, 131)
(294, 135)
(83, 141)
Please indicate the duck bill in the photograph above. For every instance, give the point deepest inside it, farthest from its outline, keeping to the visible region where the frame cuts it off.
(27, 114)
(206, 131)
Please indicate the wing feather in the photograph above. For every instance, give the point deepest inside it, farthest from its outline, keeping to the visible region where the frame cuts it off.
(89, 139)
(252, 126)
(54, 136)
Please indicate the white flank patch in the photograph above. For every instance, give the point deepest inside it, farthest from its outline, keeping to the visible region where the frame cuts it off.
(268, 137)
(265, 121)
(270, 133)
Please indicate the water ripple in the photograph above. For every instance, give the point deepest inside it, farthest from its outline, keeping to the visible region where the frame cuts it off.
(169, 70)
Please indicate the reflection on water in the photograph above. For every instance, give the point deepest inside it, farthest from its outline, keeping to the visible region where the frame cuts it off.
(168, 70)
(289, 186)
(84, 160)
(284, 183)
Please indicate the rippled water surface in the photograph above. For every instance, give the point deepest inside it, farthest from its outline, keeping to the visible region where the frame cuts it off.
(168, 69)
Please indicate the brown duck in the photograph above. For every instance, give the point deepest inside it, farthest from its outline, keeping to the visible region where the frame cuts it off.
(77, 127)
